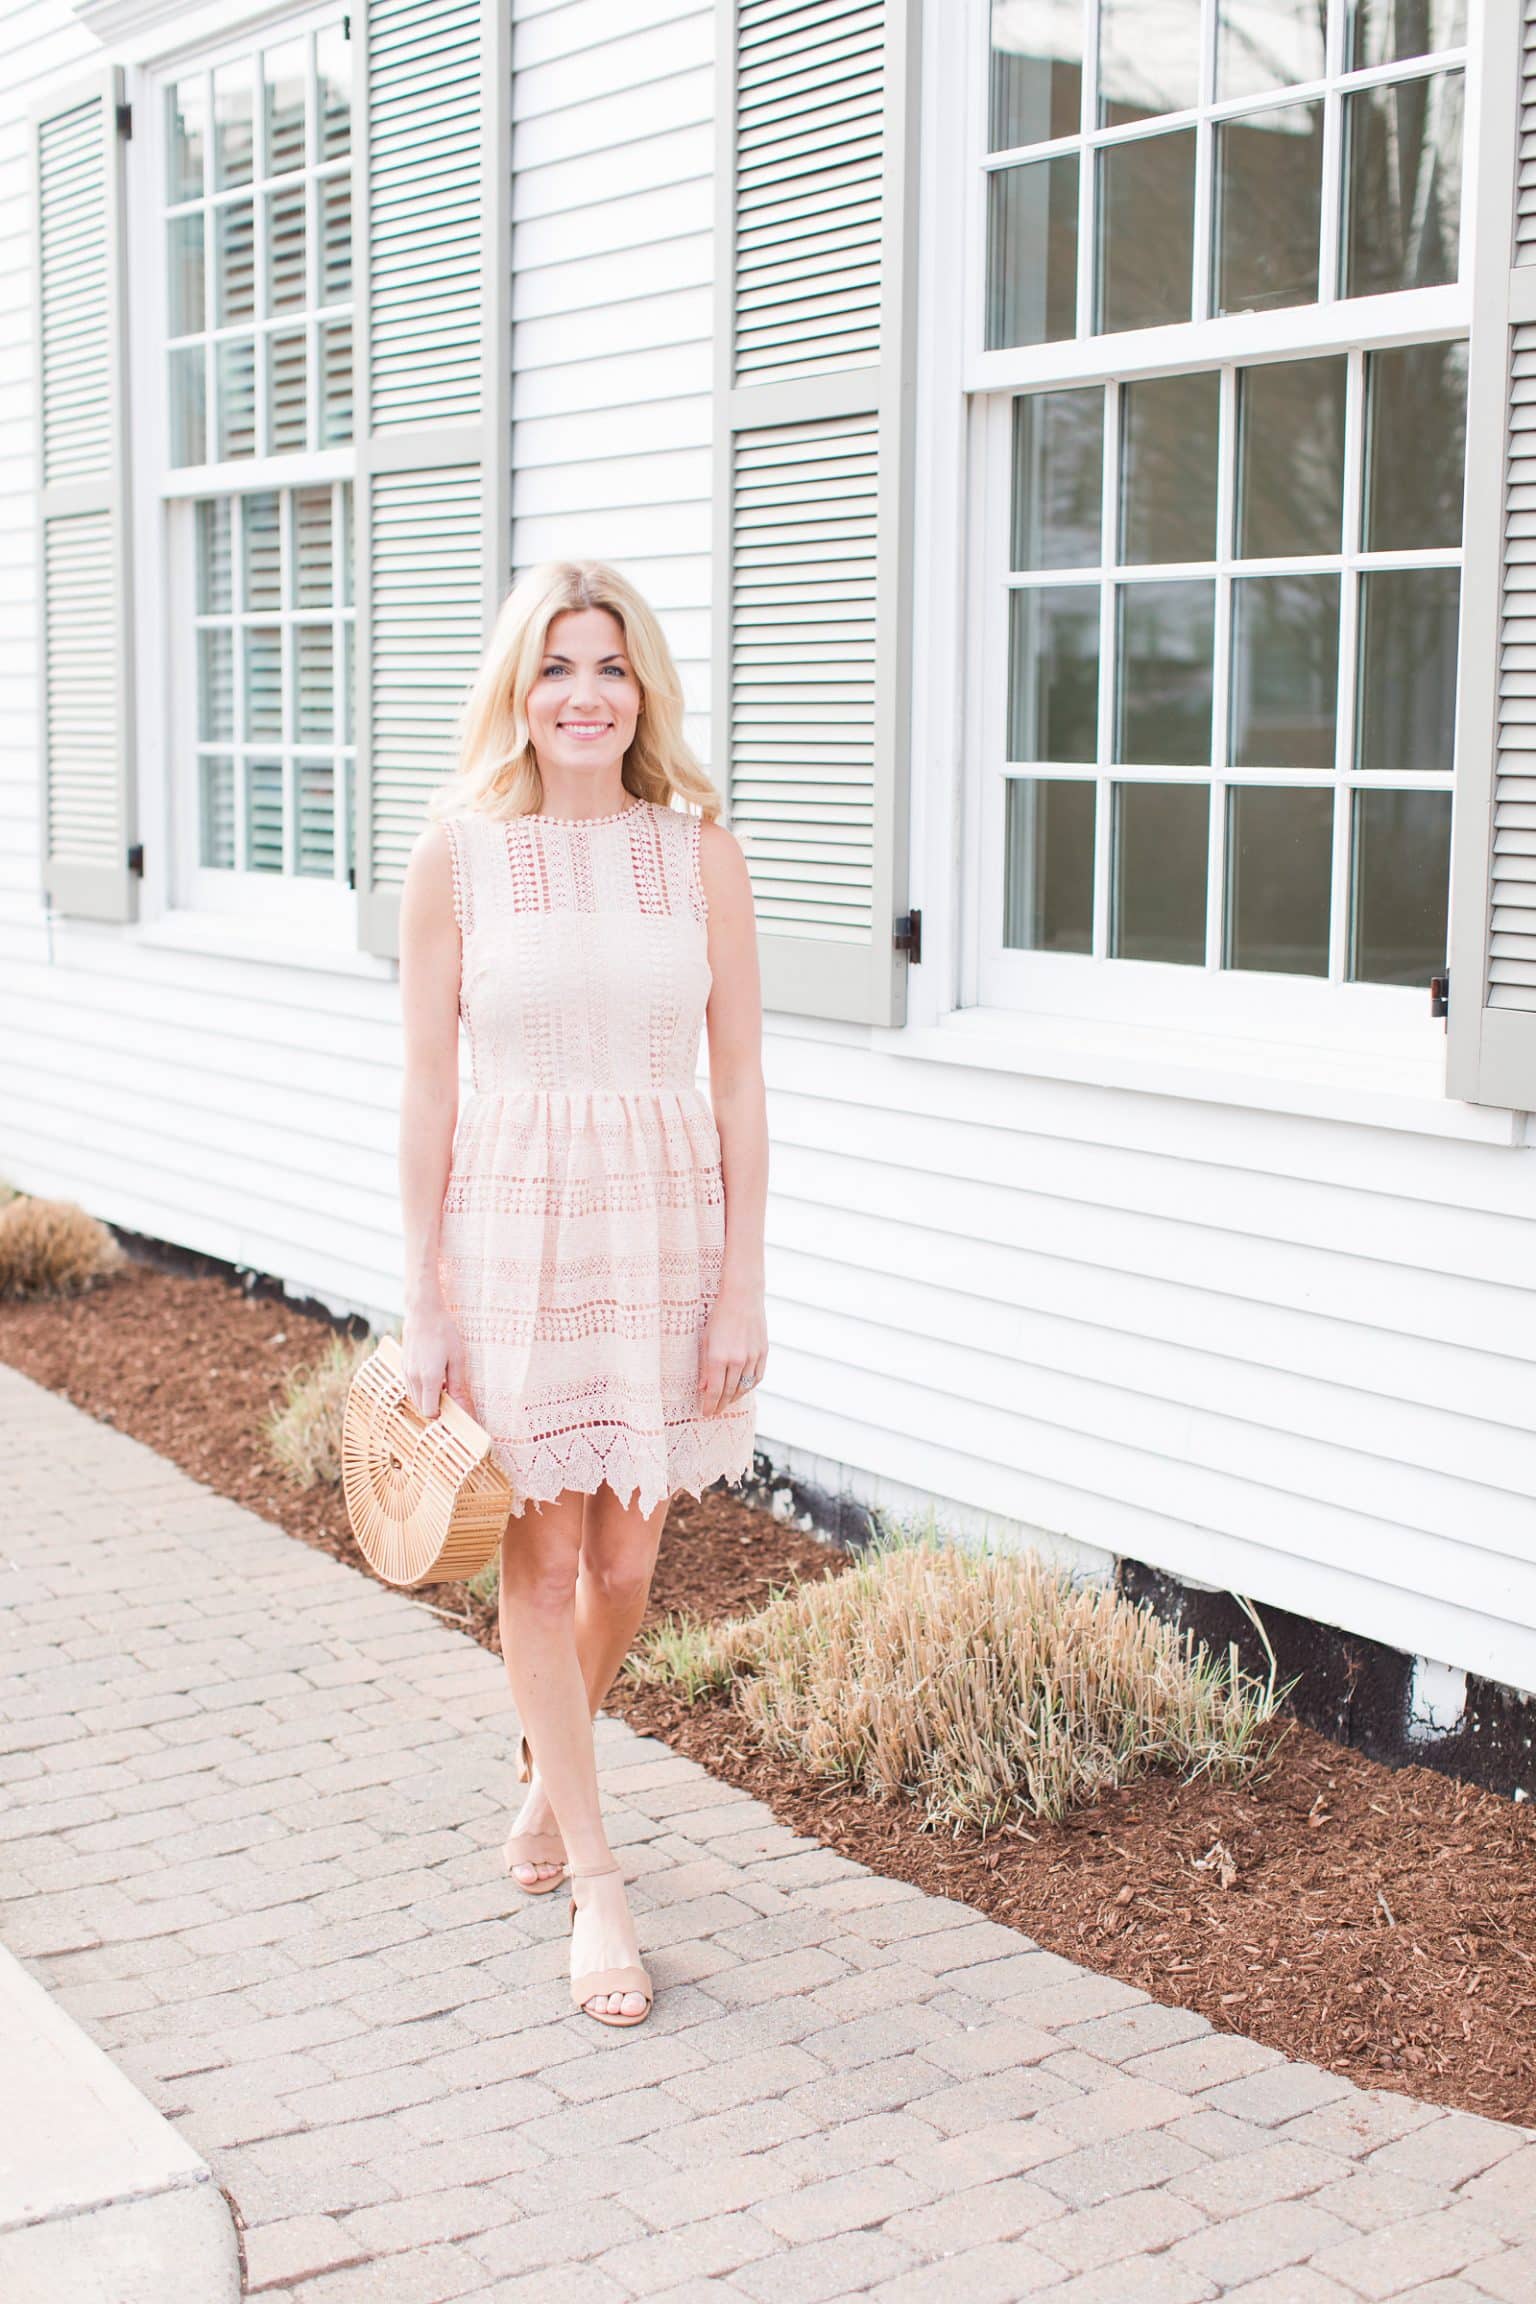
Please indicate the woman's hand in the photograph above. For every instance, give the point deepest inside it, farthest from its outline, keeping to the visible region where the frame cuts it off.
(434, 1357)
(734, 1346)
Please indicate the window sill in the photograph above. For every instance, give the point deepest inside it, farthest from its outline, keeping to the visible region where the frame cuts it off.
(1374, 1088)
(261, 939)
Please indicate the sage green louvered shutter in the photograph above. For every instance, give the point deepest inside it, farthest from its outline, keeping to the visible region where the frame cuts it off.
(1491, 1024)
(88, 799)
(813, 443)
(431, 183)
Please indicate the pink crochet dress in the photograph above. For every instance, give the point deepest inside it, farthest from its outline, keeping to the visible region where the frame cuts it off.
(583, 1221)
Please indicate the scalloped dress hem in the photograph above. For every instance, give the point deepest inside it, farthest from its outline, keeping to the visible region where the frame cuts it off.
(542, 1469)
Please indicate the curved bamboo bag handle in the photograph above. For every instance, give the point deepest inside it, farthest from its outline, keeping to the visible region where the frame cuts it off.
(425, 1497)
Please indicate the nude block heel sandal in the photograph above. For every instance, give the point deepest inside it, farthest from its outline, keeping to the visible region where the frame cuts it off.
(627, 1979)
(533, 1847)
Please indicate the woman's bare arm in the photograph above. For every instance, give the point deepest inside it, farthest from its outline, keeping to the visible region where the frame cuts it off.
(430, 962)
(736, 1338)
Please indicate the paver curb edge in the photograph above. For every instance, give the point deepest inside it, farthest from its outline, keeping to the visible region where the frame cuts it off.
(100, 2199)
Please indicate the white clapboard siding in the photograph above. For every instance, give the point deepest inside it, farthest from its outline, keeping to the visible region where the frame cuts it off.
(569, 255)
(643, 324)
(563, 125)
(674, 425)
(1030, 1240)
(651, 164)
(612, 303)
(247, 1110)
(1219, 1471)
(1159, 1324)
(550, 30)
(599, 387)
(1431, 1247)
(227, 1153)
(584, 289)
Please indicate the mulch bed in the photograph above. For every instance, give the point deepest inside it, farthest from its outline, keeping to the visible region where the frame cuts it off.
(1378, 1922)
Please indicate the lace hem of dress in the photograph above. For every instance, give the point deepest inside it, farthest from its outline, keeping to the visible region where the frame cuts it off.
(541, 1469)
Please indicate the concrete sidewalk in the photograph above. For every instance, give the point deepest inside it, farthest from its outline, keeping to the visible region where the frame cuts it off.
(100, 2200)
(253, 1806)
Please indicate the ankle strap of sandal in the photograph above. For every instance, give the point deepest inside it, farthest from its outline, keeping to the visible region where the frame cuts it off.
(595, 1872)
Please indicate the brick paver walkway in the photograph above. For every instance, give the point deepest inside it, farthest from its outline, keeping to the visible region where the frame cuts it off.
(252, 1812)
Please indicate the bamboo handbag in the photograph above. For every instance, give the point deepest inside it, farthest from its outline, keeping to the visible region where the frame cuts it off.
(426, 1499)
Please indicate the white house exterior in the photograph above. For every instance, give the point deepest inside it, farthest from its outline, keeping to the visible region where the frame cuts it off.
(1061, 398)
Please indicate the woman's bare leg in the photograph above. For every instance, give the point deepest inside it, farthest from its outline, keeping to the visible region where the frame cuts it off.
(540, 1560)
(616, 1556)
(618, 1559)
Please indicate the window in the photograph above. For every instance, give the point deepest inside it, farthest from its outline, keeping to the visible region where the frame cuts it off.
(257, 404)
(1223, 570)
(1180, 172)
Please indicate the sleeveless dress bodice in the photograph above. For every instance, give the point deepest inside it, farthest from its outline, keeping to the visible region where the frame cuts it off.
(583, 1221)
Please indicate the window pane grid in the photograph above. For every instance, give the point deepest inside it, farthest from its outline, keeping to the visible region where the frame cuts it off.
(275, 745)
(1332, 85)
(259, 257)
(1296, 622)
(1141, 202)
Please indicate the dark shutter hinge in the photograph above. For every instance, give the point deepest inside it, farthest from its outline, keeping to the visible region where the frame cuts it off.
(125, 120)
(351, 875)
(1440, 994)
(909, 936)
(136, 860)
(346, 27)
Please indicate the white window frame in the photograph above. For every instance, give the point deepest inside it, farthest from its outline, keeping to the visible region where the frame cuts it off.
(1326, 1014)
(315, 915)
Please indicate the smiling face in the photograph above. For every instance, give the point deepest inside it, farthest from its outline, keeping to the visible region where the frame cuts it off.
(585, 698)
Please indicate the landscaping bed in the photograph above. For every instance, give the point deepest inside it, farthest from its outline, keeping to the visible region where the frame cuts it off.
(1381, 1923)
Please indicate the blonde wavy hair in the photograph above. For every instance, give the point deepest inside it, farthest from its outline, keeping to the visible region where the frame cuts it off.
(497, 769)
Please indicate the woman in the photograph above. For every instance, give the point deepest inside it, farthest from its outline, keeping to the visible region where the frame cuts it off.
(584, 1243)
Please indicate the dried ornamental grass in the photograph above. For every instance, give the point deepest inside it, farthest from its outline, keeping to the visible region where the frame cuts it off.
(304, 1433)
(485, 1587)
(53, 1248)
(990, 1687)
